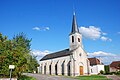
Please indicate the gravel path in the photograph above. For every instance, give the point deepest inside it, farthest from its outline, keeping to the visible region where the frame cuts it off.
(113, 77)
(48, 77)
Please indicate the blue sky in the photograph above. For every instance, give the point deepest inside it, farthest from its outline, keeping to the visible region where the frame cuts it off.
(49, 22)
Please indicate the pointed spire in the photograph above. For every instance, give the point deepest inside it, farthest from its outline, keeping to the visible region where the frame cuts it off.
(74, 25)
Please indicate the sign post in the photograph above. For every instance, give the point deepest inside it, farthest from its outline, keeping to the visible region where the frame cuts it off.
(11, 67)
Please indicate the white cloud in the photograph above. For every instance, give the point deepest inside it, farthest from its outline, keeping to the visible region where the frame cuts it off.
(47, 28)
(39, 54)
(36, 28)
(93, 33)
(118, 32)
(41, 28)
(103, 33)
(101, 53)
(105, 57)
(103, 38)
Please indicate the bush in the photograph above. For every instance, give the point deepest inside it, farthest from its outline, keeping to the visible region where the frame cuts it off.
(111, 73)
(101, 72)
(117, 73)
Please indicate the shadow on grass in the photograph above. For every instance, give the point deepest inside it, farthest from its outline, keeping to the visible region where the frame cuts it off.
(24, 77)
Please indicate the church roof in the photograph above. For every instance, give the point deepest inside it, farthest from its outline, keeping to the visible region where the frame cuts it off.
(62, 53)
(74, 25)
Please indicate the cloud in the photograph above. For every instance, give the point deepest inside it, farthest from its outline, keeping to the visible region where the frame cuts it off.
(103, 33)
(47, 28)
(103, 38)
(93, 33)
(118, 32)
(41, 28)
(105, 57)
(39, 54)
(36, 28)
(101, 53)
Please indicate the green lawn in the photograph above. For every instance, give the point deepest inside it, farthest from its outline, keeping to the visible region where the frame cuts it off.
(92, 77)
(23, 77)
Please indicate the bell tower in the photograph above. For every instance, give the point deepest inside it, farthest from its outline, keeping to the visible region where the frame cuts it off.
(75, 36)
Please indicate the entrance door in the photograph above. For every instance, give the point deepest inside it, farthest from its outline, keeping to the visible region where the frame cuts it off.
(81, 70)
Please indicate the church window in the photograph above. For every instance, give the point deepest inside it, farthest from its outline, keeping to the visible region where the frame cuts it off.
(80, 54)
(72, 39)
(78, 39)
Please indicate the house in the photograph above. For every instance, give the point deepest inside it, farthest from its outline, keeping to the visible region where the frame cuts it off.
(95, 66)
(70, 62)
(115, 66)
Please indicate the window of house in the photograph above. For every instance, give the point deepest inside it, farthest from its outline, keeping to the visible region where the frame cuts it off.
(72, 39)
(78, 39)
(91, 71)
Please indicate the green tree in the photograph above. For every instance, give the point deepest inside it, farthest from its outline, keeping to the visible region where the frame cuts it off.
(5, 47)
(21, 46)
(16, 52)
(107, 70)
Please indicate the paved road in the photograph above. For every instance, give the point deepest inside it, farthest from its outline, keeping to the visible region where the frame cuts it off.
(113, 77)
(48, 77)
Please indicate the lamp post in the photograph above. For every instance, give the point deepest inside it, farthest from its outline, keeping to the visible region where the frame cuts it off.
(11, 67)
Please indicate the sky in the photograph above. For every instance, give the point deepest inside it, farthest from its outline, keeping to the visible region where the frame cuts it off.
(48, 23)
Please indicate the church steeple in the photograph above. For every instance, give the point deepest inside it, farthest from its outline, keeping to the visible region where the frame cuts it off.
(74, 25)
(75, 36)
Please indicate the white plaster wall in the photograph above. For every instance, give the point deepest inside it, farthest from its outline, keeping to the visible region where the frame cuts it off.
(54, 61)
(74, 44)
(100, 67)
(113, 69)
(96, 69)
(80, 61)
(93, 69)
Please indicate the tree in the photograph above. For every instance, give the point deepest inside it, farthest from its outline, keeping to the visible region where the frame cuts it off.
(16, 52)
(107, 70)
(21, 46)
(5, 47)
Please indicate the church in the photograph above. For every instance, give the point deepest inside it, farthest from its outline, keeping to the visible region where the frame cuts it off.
(69, 62)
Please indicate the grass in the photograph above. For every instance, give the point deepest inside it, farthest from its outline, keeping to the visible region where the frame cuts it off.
(23, 77)
(92, 77)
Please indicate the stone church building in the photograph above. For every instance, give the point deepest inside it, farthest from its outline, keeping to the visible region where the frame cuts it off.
(70, 62)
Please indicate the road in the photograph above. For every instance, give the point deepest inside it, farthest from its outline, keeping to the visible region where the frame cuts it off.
(48, 77)
(113, 77)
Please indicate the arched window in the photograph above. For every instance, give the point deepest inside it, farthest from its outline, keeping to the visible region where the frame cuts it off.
(50, 69)
(78, 39)
(72, 39)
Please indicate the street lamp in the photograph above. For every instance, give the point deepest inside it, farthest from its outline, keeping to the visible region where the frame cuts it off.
(11, 67)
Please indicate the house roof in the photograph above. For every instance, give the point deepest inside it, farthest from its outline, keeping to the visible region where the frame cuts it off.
(62, 53)
(94, 61)
(115, 64)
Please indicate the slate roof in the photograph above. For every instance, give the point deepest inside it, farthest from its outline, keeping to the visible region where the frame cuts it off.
(74, 25)
(115, 64)
(94, 61)
(62, 53)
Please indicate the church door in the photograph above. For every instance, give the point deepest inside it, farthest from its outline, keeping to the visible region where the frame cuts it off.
(81, 70)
